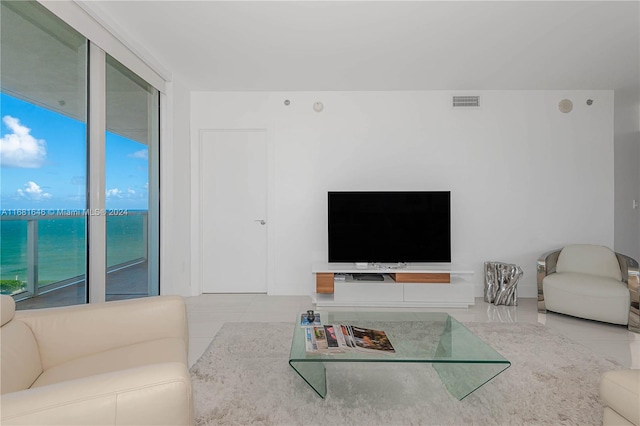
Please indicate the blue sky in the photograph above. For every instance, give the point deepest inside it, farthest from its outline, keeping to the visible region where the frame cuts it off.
(43, 162)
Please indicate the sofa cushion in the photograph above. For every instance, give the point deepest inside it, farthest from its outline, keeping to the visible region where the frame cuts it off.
(587, 296)
(611, 418)
(20, 356)
(72, 332)
(137, 355)
(156, 394)
(589, 259)
(620, 390)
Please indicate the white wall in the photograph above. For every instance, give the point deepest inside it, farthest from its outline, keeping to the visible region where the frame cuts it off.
(627, 173)
(524, 177)
(175, 242)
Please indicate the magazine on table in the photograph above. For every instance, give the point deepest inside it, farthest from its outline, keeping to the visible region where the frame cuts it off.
(369, 340)
(336, 338)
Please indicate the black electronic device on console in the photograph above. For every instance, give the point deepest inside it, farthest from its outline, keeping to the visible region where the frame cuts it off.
(368, 277)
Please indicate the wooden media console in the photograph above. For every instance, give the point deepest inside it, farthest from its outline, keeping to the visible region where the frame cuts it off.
(416, 285)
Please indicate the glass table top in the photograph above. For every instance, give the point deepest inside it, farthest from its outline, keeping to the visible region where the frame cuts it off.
(463, 361)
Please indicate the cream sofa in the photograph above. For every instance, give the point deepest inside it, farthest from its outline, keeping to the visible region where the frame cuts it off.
(114, 363)
(620, 393)
(592, 282)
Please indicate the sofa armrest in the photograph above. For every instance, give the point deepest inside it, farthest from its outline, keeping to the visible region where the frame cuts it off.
(71, 332)
(157, 394)
(546, 265)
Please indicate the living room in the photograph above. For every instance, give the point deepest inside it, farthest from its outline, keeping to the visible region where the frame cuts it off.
(471, 151)
(359, 97)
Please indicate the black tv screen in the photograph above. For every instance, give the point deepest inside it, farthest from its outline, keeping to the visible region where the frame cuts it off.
(389, 227)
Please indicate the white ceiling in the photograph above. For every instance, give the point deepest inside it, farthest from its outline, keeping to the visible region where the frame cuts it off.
(394, 45)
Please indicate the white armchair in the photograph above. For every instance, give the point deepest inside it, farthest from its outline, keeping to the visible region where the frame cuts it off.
(592, 282)
(114, 363)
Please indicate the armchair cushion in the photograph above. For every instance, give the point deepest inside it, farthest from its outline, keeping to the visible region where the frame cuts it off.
(587, 296)
(589, 259)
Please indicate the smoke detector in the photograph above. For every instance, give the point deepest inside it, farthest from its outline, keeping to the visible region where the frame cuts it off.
(565, 106)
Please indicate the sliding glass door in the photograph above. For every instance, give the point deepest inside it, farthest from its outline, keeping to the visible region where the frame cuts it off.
(132, 141)
(43, 149)
(46, 176)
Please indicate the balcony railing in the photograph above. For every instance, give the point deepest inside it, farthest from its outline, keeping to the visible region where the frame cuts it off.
(127, 245)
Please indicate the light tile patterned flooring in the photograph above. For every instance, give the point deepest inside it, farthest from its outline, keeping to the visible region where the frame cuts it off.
(208, 312)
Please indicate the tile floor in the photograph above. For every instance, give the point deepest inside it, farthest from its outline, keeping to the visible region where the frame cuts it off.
(208, 312)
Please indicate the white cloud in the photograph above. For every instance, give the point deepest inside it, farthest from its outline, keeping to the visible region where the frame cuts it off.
(130, 193)
(20, 149)
(114, 193)
(33, 192)
(143, 153)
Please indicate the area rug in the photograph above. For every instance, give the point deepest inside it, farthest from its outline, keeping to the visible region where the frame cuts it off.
(244, 378)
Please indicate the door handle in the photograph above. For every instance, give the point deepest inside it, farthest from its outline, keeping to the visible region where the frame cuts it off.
(262, 221)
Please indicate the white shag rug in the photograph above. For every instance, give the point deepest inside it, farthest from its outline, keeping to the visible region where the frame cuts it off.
(244, 378)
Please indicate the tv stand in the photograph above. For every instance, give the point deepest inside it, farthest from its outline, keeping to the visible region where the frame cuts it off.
(416, 285)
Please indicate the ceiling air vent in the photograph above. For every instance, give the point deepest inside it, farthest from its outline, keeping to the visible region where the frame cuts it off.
(466, 101)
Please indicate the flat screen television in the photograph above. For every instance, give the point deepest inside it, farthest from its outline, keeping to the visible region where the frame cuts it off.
(390, 227)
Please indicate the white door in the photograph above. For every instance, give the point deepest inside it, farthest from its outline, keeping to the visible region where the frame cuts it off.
(233, 215)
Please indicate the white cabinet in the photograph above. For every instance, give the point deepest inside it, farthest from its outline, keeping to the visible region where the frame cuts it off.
(416, 285)
(376, 292)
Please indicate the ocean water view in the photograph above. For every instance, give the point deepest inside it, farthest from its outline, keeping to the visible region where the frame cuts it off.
(61, 245)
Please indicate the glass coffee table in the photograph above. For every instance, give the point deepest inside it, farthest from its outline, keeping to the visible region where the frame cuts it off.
(462, 360)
